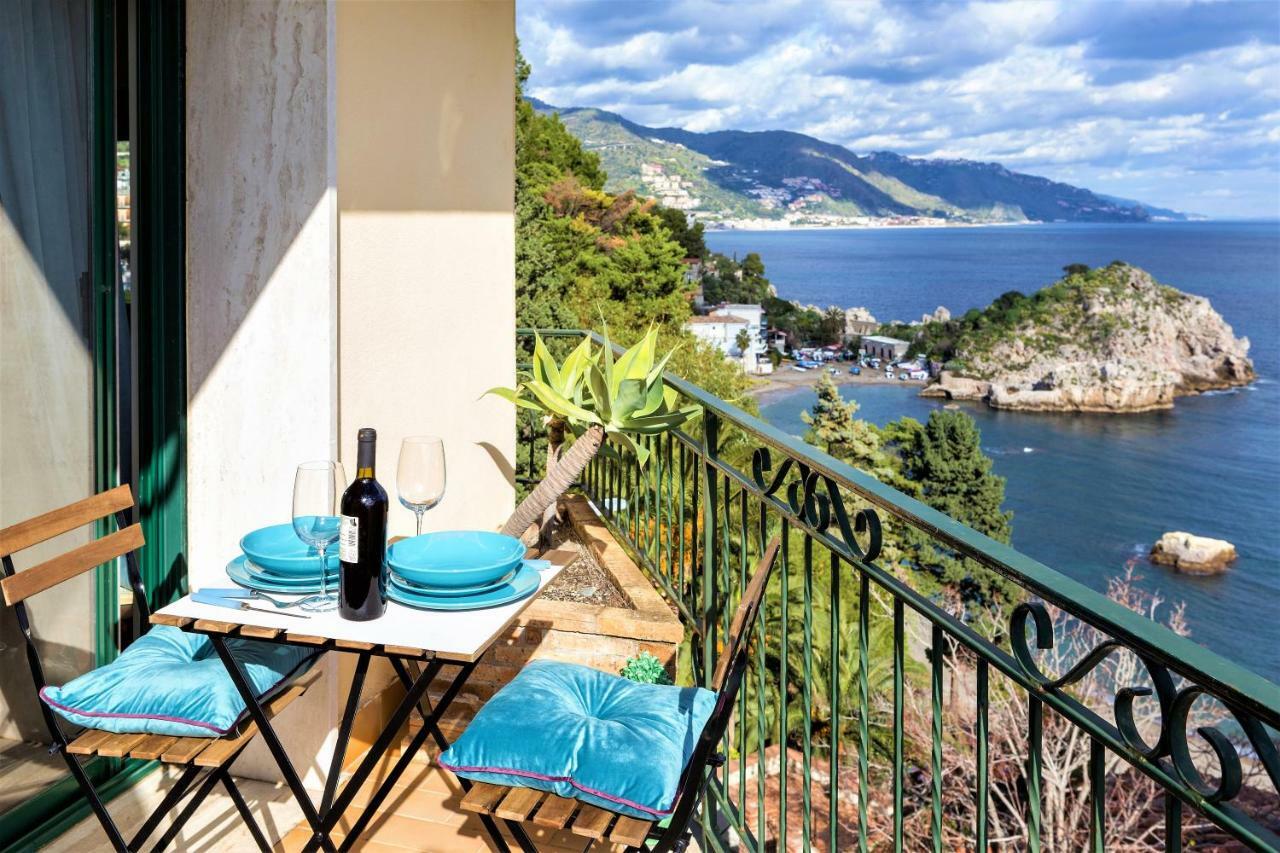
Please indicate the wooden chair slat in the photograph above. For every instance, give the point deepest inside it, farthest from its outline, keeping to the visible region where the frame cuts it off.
(517, 804)
(173, 621)
(152, 747)
(44, 527)
(630, 831)
(50, 573)
(215, 626)
(184, 749)
(353, 646)
(258, 632)
(120, 745)
(591, 822)
(555, 812)
(87, 742)
(482, 797)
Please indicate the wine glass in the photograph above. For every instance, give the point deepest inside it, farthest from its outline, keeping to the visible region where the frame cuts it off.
(420, 474)
(317, 488)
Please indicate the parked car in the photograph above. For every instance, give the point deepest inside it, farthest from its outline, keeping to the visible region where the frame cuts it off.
(799, 367)
(855, 370)
(902, 377)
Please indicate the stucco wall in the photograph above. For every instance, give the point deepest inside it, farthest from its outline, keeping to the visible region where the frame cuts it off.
(427, 299)
(261, 286)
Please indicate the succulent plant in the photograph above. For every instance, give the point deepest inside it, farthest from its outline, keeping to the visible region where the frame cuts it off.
(598, 397)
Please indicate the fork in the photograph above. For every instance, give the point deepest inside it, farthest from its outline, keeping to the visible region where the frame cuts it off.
(262, 596)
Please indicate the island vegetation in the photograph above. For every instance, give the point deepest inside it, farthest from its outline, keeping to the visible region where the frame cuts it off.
(1106, 339)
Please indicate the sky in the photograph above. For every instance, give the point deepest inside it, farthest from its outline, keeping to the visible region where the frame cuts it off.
(1175, 103)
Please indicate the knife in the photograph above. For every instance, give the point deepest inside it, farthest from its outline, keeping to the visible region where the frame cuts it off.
(204, 597)
(225, 592)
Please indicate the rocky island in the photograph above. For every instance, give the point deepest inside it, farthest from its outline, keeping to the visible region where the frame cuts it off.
(1108, 339)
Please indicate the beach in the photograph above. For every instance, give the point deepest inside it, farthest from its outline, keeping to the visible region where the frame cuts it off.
(784, 380)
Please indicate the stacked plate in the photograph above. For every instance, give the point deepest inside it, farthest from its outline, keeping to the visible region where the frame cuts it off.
(459, 570)
(276, 560)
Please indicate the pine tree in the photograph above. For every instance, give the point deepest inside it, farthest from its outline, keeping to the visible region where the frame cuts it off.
(944, 459)
(834, 427)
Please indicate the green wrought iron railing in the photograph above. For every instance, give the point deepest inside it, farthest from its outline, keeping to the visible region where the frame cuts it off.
(870, 718)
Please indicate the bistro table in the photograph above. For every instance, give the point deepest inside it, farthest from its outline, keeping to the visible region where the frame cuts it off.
(418, 644)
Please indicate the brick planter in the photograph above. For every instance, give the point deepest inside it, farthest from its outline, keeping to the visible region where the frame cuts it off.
(590, 634)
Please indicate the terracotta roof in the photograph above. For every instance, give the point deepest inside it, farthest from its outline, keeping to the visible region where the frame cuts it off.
(716, 318)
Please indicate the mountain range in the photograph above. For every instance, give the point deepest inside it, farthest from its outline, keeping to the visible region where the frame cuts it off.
(731, 175)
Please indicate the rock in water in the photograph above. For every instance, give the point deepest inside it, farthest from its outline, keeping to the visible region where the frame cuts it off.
(1108, 340)
(1197, 555)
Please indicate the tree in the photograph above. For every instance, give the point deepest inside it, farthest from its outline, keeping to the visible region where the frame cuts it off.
(834, 427)
(690, 237)
(1076, 269)
(743, 341)
(944, 459)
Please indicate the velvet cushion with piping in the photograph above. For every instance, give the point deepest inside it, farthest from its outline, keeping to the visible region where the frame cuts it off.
(581, 733)
(171, 682)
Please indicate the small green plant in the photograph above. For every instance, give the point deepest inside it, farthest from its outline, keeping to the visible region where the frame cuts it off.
(596, 397)
(645, 669)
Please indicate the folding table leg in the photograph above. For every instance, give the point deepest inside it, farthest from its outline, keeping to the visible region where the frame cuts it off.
(291, 778)
(344, 731)
(375, 754)
(247, 816)
(431, 725)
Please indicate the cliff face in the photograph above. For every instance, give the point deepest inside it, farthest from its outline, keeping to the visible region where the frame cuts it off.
(1110, 340)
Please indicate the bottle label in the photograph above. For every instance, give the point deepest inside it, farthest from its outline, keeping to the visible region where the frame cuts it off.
(349, 540)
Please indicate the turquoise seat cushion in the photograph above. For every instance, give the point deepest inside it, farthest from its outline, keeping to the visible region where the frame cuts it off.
(581, 733)
(170, 682)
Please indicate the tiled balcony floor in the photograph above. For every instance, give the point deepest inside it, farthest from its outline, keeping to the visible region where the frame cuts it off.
(423, 815)
(214, 828)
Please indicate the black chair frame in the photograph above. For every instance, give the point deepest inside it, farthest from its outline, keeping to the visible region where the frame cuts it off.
(190, 780)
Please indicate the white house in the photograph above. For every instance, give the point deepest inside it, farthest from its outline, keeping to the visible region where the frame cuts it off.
(721, 329)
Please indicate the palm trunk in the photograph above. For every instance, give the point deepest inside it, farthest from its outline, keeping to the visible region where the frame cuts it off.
(558, 480)
(555, 443)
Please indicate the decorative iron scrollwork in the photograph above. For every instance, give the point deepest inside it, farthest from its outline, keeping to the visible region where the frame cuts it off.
(806, 499)
(1175, 710)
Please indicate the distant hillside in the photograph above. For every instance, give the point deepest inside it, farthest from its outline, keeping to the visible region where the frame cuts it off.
(735, 175)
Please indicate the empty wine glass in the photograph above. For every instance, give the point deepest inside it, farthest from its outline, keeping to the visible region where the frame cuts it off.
(317, 489)
(420, 474)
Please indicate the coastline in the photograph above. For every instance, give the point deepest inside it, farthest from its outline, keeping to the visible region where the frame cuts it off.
(785, 381)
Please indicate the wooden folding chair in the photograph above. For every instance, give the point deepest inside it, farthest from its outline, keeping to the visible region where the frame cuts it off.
(526, 805)
(211, 755)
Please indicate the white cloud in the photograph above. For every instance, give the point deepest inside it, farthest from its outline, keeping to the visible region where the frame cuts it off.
(1123, 98)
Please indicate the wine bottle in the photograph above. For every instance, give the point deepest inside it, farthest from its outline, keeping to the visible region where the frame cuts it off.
(362, 584)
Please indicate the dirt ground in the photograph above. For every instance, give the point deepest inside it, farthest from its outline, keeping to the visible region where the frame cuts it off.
(584, 580)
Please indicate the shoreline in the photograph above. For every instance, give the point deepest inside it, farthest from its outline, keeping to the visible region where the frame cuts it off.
(785, 381)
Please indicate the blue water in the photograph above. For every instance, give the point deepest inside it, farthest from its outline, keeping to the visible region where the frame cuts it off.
(1090, 492)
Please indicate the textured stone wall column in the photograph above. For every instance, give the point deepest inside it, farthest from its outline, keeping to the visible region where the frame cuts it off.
(261, 285)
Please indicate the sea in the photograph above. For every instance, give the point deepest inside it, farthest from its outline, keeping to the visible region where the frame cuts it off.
(1090, 493)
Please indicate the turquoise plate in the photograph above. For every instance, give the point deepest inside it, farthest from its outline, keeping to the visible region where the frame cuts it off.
(279, 550)
(455, 558)
(452, 592)
(256, 571)
(524, 584)
(239, 573)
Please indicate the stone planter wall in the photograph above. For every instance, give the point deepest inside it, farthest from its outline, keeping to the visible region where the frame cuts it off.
(589, 634)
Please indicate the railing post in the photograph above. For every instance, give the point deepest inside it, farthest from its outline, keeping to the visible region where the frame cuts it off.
(710, 447)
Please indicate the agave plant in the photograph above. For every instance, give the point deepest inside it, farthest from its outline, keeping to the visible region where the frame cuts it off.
(598, 399)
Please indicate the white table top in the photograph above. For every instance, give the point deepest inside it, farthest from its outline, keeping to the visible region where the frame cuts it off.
(462, 635)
